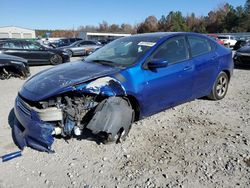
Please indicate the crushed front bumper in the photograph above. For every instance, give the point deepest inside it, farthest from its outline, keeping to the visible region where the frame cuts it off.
(30, 130)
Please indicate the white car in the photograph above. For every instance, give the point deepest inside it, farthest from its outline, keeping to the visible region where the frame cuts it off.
(228, 40)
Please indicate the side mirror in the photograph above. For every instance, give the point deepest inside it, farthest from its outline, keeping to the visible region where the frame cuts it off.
(157, 63)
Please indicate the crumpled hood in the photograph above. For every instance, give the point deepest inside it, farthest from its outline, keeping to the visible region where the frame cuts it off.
(61, 78)
(244, 49)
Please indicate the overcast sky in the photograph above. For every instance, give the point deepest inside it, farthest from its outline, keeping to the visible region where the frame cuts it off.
(68, 14)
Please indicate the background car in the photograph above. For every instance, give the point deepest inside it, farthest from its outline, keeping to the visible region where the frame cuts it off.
(12, 66)
(228, 40)
(241, 43)
(242, 56)
(215, 37)
(124, 81)
(34, 52)
(64, 42)
(82, 47)
(106, 41)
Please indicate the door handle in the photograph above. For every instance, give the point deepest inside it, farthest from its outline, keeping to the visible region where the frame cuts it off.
(187, 68)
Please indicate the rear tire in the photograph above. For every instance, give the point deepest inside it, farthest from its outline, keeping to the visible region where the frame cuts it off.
(220, 87)
(56, 59)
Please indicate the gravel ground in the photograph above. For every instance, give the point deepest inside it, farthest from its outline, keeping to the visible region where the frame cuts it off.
(198, 144)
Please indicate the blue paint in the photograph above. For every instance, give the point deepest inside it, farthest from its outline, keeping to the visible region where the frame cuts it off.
(29, 130)
(11, 156)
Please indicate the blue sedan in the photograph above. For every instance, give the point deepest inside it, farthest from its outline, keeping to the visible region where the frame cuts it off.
(125, 81)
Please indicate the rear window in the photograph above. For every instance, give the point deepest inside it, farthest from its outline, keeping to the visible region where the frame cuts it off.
(11, 45)
(199, 45)
(88, 43)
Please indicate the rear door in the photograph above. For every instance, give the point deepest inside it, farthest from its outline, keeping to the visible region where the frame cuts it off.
(171, 85)
(206, 62)
(35, 53)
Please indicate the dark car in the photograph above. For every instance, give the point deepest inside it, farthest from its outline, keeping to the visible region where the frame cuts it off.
(242, 56)
(241, 43)
(82, 47)
(34, 52)
(12, 66)
(105, 41)
(122, 82)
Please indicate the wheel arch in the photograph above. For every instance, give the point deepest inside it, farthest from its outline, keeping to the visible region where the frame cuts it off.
(228, 74)
(135, 105)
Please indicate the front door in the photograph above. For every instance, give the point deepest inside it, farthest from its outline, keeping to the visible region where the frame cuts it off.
(168, 86)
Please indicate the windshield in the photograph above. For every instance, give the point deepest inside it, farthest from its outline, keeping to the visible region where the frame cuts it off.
(123, 52)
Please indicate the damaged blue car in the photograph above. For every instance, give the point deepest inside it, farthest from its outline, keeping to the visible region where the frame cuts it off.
(125, 81)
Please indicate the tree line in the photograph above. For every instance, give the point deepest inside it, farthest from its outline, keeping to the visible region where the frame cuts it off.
(224, 19)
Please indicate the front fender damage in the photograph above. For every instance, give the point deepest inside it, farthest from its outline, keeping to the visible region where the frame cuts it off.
(77, 108)
(106, 86)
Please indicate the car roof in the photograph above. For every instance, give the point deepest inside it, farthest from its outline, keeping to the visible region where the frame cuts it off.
(159, 35)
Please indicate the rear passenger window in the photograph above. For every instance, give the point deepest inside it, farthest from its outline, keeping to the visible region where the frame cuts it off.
(4, 45)
(173, 50)
(199, 45)
(14, 45)
(31, 46)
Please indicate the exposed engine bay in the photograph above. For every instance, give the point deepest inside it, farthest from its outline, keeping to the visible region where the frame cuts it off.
(100, 106)
(67, 112)
(71, 113)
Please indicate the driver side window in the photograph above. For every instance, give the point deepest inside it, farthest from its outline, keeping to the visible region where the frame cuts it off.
(173, 50)
(31, 46)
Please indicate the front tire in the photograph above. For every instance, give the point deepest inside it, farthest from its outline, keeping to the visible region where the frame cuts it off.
(56, 59)
(112, 120)
(220, 87)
